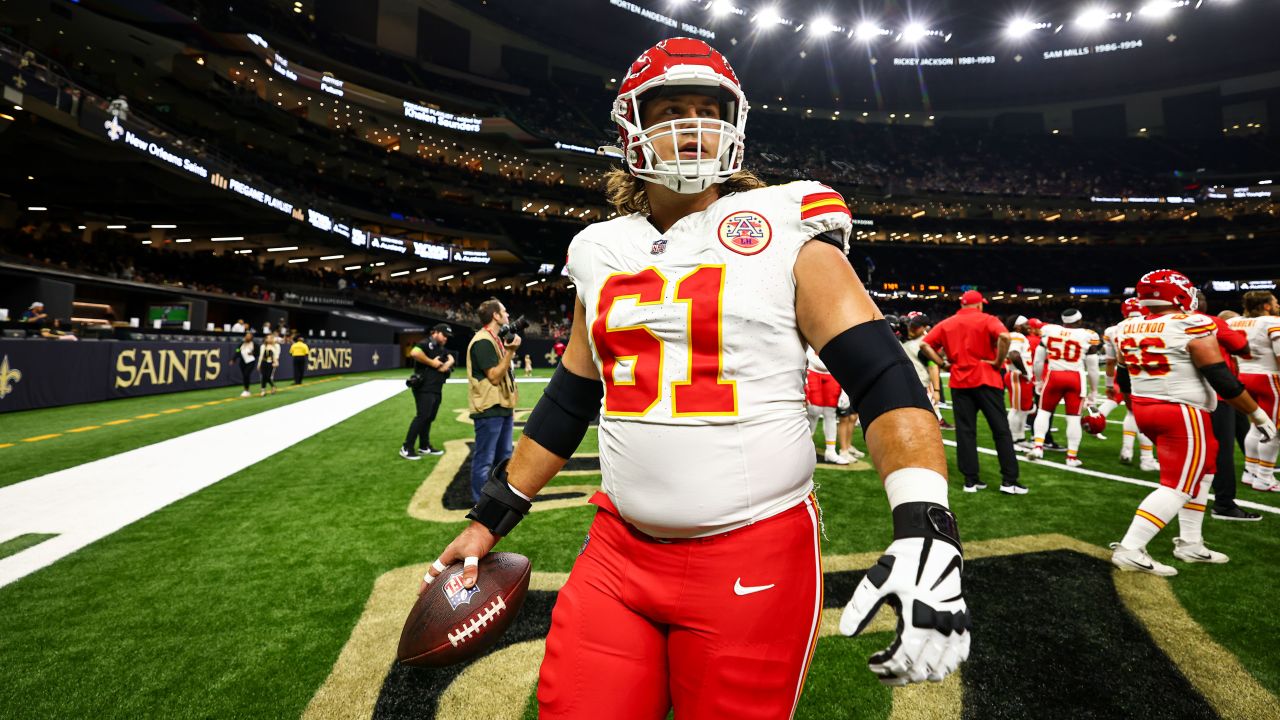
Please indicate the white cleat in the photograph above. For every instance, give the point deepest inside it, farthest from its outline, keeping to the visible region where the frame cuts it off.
(1131, 560)
(1266, 485)
(1074, 462)
(1196, 552)
(835, 458)
(1149, 466)
(1126, 457)
(245, 394)
(1036, 453)
(853, 454)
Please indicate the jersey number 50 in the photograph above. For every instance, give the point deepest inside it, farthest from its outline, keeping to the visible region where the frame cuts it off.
(1059, 349)
(705, 392)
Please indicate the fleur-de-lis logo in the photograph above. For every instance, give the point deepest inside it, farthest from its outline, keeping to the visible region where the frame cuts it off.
(375, 357)
(114, 129)
(8, 377)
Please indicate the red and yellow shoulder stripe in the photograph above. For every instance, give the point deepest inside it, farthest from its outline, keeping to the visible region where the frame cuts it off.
(822, 203)
(1207, 328)
(1273, 330)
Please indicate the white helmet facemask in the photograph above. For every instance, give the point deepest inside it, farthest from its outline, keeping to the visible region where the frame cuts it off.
(685, 175)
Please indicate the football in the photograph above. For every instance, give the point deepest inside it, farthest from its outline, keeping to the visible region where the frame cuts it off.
(450, 624)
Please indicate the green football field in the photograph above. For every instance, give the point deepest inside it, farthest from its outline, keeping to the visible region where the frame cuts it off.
(279, 591)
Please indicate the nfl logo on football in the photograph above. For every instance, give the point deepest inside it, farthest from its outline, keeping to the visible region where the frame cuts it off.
(456, 594)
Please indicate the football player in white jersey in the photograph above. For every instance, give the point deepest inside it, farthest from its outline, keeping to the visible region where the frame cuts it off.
(1173, 371)
(823, 395)
(1065, 359)
(1017, 380)
(1260, 373)
(1130, 308)
(700, 586)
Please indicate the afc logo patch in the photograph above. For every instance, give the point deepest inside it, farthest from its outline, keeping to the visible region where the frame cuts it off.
(745, 232)
(455, 593)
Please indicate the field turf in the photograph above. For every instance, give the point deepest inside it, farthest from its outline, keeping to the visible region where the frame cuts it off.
(237, 601)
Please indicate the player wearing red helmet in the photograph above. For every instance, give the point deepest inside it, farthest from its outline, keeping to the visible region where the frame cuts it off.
(700, 586)
(1131, 435)
(1174, 372)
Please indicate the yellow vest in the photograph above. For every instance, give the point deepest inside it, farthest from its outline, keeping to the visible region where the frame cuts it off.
(483, 394)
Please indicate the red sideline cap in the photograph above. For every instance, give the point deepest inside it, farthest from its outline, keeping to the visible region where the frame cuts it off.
(1035, 323)
(972, 297)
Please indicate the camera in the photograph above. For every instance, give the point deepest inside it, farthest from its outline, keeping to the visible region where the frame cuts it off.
(513, 328)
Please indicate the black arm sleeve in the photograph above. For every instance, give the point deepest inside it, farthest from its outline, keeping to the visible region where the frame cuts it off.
(1222, 381)
(1122, 379)
(874, 371)
(560, 419)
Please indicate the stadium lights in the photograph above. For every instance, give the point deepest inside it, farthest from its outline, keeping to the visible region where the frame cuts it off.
(37, 208)
(914, 33)
(722, 7)
(163, 227)
(351, 267)
(421, 269)
(243, 252)
(531, 283)
(1159, 9)
(283, 248)
(146, 242)
(822, 26)
(1093, 18)
(297, 260)
(867, 31)
(768, 17)
(183, 240)
(1020, 28)
(117, 227)
(443, 278)
(227, 239)
(332, 257)
(400, 273)
(490, 280)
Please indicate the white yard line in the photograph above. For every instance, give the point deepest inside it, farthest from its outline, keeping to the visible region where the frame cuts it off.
(1117, 478)
(88, 502)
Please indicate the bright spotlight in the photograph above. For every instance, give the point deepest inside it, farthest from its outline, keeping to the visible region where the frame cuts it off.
(769, 16)
(914, 32)
(722, 7)
(1019, 28)
(867, 31)
(1157, 9)
(822, 26)
(1093, 18)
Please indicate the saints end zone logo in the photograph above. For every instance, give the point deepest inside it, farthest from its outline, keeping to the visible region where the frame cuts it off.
(114, 129)
(8, 377)
(745, 232)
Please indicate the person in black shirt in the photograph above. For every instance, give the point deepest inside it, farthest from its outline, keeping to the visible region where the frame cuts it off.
(432, 363)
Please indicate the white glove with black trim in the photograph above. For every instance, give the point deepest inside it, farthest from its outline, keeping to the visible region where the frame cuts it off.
(1262, 422)
(919, 577)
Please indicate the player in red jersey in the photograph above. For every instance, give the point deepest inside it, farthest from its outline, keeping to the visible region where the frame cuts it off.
(1174, 373)
(700, 586)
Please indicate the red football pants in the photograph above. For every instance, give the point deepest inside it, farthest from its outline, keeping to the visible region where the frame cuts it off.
(1265, 390)
(1021, 391)
(1184, 440)
(718, 627)
(1061, 386)
(821, 389)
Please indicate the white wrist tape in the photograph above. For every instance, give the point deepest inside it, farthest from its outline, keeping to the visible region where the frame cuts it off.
(518, 493)
(1259, 416)
(915, 484)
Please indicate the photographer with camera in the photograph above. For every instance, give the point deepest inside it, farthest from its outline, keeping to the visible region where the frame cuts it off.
(432, 364)
(491, 390)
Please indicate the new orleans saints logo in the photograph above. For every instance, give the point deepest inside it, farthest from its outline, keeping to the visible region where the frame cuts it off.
(8, 377)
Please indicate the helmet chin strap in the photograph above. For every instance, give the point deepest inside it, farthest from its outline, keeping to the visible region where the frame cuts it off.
(704, 178)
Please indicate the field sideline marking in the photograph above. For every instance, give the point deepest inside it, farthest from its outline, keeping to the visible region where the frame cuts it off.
(88, 502)
(1108, 476)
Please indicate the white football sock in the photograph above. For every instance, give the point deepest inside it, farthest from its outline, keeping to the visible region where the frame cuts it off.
(829, 427)
(1191, 516)
(1017, 423)
(1156, 510)
(1267, 452)
(1253, 453)
(1074, 433)
(1107, 406)
(1130, 434)
(1146, 449)
(1041, 427)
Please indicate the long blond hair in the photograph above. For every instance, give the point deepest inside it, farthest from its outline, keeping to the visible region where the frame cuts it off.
(627, 195)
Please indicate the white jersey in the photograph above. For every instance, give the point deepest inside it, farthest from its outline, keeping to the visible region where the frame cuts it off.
(1066, 347)
(1264, 343)
(814, 363)
(1018, 343)
(1154, 351)
(1109, 343)
(694, 333)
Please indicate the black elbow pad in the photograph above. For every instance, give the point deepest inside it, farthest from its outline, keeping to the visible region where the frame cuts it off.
(1123, 381)
(568, 405)
(1222, 381)
(874, 371)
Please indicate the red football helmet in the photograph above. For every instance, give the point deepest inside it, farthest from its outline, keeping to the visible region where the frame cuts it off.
(1159, 288)
(1093, 422)
(673, 65)
(1132, 308)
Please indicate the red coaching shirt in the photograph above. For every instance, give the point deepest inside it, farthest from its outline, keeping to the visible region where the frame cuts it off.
(969, 338)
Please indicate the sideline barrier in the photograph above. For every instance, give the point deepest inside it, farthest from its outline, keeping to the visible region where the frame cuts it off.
(47, 373)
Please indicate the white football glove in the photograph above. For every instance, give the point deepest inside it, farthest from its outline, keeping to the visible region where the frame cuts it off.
(1263, 424)
(920, 579)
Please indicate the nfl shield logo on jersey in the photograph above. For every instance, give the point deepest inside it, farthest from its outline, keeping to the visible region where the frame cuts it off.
(659, 246)
(745, 232)
(456, 593)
